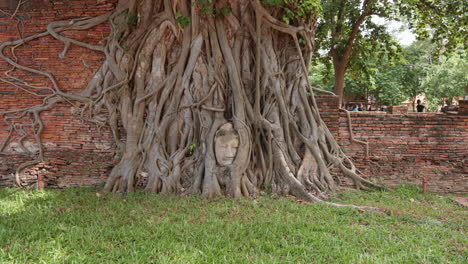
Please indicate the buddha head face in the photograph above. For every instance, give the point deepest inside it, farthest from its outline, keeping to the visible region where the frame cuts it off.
(226, 144)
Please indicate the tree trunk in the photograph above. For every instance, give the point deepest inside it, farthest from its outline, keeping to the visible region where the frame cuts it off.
(338, 87)
(211, 102)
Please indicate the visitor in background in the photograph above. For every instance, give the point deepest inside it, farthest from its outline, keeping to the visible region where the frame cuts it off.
(420, 107)
(355, 108)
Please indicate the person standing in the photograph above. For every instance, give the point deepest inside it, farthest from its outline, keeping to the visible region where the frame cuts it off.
(420, 107)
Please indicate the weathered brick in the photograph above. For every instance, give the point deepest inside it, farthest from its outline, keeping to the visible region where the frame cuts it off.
(416, 145)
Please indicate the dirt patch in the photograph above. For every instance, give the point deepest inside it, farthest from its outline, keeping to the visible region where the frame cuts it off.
(461, 200)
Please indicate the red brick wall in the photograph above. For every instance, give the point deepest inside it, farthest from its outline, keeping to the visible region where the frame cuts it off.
(61, 168)
(329, 112)
(406, 148)
(75, 150)
(463, 107)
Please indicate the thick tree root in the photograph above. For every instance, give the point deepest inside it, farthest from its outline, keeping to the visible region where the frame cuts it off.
(173, 86)
(351, 134)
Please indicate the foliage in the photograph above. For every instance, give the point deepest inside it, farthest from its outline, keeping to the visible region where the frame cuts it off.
(208, 8)
(182, 20)
(348, 35)
(339, 19)
(320, 77)
(396, 81)
(420, 70)
(192, 148)
(372, 70)
(442, 22)
(445, 23)
(132, 18)
(296, 10)
(78, 226)
(389, 89)
(379, 75)
(446, 78)
(393, 78)
(126, 19)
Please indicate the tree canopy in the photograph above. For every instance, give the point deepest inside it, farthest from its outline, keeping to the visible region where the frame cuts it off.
(446, 78)
(415, 70)
(348, 34)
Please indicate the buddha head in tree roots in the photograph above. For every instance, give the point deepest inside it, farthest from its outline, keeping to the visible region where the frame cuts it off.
(226, 144)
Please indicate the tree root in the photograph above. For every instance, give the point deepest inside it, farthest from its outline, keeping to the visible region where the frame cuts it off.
(351, 134)
(172, 86)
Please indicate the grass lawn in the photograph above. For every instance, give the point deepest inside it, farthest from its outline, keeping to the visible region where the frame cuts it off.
(78, 226)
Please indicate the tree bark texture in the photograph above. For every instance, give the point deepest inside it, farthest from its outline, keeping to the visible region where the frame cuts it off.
(174, 74)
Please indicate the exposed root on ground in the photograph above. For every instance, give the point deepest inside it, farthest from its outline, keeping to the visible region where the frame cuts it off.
(173, 87)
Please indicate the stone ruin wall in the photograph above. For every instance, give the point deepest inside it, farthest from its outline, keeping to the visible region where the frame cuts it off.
(403, 148)
(77, 153)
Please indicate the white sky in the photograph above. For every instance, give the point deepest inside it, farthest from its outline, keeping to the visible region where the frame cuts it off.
(397, 29)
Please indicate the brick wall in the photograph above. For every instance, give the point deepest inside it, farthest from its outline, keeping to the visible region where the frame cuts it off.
(463, 107)
(406, 148)
(403, 148)
(329, 112)
(75, 150)
(61, 168)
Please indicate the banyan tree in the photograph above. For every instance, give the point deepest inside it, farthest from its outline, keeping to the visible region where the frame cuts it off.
(205, 97)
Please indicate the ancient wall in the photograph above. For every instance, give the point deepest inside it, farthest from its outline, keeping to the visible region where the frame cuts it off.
(403, 148)
(75, 149)
(329, 112)
(406, 148)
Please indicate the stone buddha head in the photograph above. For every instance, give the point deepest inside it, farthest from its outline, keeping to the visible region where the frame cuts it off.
(226, 144)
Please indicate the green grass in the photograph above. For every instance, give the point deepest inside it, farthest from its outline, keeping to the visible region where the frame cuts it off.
(78, 226)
